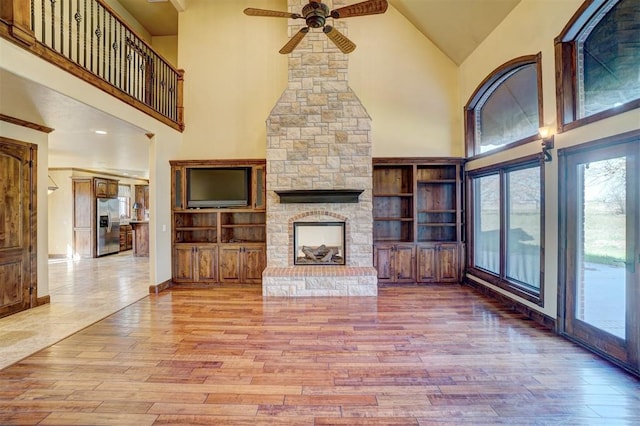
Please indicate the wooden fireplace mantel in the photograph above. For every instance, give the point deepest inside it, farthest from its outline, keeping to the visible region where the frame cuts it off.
(320, 196)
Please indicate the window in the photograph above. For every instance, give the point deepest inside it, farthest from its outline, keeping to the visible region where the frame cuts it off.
(507, 230)
(506, 109)
(599, 58)
(124, 200)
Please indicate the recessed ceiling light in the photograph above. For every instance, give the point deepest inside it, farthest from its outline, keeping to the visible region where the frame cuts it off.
(101, 132)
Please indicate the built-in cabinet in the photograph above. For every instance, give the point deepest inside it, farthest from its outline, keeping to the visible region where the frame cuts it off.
(417, 219)
(86, 190)
(105, 188)
(126, 237)
(214, 245)
(141, 202)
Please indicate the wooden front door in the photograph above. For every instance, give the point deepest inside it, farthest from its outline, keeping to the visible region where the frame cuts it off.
(17, 225)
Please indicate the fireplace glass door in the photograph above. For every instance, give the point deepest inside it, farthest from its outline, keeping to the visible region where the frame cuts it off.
(318, 243)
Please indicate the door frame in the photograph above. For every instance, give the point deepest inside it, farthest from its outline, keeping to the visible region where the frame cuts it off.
(608, 346)
(28, 155)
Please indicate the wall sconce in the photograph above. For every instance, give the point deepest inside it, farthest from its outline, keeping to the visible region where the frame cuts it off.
(547, 142)
(52, 185)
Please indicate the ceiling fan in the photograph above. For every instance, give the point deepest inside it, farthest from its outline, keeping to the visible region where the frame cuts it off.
(315, 15)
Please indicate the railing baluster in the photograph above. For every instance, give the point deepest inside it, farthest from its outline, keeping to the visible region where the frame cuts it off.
(108, 48)
(104, 43)
(91, 37)
(33, 16)
(61, 26)
(53, 24)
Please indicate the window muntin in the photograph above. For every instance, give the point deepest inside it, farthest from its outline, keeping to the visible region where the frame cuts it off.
(486, 220)
(509, 111)
(506, 109)
(524, 220)
(608, 59)
(507, 239)
(124, 201)
(598, 57)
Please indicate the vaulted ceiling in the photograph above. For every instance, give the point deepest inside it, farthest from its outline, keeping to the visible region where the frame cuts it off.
(457, 27)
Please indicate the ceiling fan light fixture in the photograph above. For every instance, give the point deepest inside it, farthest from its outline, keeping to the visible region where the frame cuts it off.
(315, 14)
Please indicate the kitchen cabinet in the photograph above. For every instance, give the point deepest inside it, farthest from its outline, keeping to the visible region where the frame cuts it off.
(86, 191)
(140, 238)
(141, 198)
(106, 188)
(126, 237)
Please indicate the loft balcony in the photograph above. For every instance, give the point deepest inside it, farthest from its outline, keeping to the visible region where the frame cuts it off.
(88, 39)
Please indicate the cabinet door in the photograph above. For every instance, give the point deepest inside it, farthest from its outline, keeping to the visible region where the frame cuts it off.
(112, 188)
(254, 260)
(177, 188)
(206, 265)
(230, 263)
(427, 254)
(382, 261)
(101, 188)
(259, 183)
(83, 219)
(405, 263)
(448, 263)
(183, 263)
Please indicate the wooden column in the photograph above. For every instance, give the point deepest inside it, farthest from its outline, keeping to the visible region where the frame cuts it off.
(17, 13)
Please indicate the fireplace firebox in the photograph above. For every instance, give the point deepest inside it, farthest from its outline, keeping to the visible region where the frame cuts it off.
(319, 243)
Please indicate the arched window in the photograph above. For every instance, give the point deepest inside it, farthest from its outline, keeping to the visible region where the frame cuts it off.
(505, 109)
(598, 57)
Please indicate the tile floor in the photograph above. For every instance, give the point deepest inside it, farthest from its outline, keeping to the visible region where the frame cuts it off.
(82, 292)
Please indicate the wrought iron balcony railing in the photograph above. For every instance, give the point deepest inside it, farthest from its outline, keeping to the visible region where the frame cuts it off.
(89, 39)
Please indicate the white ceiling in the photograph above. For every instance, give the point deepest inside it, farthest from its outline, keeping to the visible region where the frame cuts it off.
(455, 26)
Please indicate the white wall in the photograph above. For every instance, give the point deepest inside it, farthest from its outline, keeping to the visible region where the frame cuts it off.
(531, 28)
(168, 142)
(408, 86)
(235, 75)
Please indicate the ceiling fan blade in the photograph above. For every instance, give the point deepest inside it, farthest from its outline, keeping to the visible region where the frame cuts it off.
(339, 39)
(369, 7)
(293, 41)
(270, 13)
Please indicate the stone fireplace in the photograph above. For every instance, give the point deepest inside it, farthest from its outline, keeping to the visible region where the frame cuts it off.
(319, 142)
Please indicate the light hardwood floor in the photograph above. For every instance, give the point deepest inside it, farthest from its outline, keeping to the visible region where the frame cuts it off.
(226, 355)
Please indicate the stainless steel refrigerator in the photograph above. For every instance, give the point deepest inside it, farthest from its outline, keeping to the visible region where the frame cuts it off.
(108, 228)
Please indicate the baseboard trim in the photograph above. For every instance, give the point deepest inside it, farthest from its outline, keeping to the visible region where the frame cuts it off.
(44, 300)
(155, 289)
(532, 314)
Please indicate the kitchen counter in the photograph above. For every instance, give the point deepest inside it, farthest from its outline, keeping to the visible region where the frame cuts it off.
(140, 237)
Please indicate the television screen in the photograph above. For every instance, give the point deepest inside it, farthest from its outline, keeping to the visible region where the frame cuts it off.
(218, 187)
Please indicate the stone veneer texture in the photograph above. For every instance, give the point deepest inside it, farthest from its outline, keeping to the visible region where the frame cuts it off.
(319, 137)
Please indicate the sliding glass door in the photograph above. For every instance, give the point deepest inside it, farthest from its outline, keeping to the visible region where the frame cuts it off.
(601, 249)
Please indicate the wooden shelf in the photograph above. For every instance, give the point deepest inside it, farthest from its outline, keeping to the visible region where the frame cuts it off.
(213, 245)
(417, 214)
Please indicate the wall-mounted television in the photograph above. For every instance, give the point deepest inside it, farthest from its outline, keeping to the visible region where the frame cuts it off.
(216, 187)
